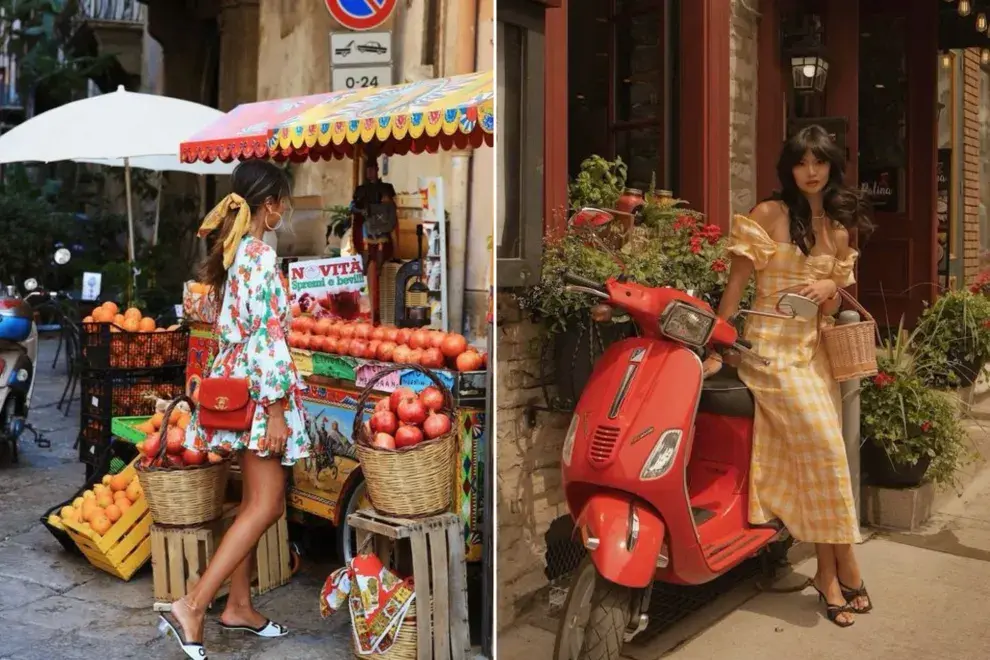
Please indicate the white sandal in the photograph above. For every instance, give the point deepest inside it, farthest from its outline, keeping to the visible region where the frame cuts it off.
(194, 651)
(269, 630)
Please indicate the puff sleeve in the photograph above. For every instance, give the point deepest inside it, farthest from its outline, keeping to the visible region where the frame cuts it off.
(842, 272)
(748, 239)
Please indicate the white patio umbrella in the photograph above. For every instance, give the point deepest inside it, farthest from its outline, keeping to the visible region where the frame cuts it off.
(121, 128)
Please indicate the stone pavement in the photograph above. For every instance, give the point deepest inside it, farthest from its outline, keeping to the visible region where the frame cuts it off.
(55, 606)
(929, 591)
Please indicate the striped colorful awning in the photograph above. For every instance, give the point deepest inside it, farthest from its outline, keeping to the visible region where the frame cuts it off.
(429, 115)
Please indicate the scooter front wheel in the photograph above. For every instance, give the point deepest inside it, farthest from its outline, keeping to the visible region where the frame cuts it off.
(594, 619)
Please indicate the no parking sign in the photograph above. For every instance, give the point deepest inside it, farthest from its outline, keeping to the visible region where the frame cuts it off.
(360, 14)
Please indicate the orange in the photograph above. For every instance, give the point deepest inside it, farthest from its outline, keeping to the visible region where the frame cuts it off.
(106, 479)
(183, 421)
(89, 319)
(156, 420)
(117, 495)
(133, 313)
(89, 509)
(131, 324)
(113, 513)
(134, 492)
(100, 524)
(111, 307)
(68, 513)
(146, 324)
(146, 427)
(103, 500)
(123, 504)
(119, 482)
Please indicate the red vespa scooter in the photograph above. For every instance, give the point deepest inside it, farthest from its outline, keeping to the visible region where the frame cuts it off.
(656, 465)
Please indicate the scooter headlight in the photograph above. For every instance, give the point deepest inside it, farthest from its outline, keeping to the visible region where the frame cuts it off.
(687, 323)
(569, 440)
(662, 456)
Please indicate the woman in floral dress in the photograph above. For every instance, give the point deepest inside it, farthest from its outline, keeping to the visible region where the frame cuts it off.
(251, 328)
(799, 242)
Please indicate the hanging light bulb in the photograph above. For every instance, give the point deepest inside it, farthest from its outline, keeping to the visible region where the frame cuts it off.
(984, 56)
(981, 22)
(946, 60)
(964, 8)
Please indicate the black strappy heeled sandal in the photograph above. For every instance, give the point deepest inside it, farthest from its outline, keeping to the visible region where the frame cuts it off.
(852, 594)
(832, 612)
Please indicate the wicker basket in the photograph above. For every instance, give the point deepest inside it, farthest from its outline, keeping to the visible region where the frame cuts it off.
(190, 496)
(852, 348)
(410, 482)
(404, 646)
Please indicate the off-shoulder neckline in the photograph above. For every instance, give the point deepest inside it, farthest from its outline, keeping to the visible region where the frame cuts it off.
(770, 238)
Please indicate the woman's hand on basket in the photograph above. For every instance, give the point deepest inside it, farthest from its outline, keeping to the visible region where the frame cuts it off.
(277, 433)
(821, 291)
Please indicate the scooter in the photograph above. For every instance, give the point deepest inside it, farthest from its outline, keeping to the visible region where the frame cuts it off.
(656, 464)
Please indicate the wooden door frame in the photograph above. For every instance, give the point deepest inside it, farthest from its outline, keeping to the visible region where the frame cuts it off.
(703, 148)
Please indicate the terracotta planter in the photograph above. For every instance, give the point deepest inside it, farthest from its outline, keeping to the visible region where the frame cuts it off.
(882, 472)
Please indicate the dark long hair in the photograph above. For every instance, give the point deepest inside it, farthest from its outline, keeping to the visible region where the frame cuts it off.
(256, 181)
(844, 204)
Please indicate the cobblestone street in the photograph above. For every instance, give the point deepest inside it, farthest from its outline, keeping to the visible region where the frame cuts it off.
(57, 606)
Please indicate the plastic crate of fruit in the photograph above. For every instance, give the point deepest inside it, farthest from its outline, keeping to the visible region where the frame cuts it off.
(112, 524)
(126, 428)
(118, 457)
(109, 394)
(111, 340)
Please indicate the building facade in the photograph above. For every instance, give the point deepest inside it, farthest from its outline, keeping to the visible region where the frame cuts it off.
(701, 94)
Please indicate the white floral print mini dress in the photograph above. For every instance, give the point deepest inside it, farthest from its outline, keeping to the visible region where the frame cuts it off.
(251, 332)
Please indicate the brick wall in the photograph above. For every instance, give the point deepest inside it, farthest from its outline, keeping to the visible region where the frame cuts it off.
(971, 164)
(742, 106)
(528, 488)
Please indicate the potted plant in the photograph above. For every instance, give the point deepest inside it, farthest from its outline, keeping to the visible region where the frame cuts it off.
(910, 431)
(952, 339)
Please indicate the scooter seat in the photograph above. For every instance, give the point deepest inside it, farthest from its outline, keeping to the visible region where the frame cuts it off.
(725, 395)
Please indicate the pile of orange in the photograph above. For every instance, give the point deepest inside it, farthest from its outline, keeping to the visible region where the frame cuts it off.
(132, 320)
(97, 509)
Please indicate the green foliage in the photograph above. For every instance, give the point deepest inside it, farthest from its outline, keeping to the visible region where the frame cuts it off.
(340, 220)
(952, 339)
(599, 184)
(28, 229)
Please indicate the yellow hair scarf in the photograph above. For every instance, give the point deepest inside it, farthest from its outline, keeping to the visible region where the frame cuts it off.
(241, 226)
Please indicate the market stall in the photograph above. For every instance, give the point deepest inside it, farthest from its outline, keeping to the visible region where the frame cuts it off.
(355, 321)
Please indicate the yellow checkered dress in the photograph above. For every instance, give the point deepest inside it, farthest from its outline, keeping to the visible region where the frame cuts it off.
(799, 470)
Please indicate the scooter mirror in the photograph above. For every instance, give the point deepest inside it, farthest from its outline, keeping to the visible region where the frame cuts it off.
(797, 306)
(30, 284)
(62, 256)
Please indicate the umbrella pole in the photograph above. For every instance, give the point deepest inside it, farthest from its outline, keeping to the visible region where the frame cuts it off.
(158, 209)
(130, 210)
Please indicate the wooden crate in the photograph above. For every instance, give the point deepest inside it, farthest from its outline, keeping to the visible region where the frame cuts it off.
(439, 573)
(126, 546)
(179, 556)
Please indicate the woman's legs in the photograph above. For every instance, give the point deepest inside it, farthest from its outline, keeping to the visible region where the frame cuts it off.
(827, 580)
(264, 486)
(847, 571)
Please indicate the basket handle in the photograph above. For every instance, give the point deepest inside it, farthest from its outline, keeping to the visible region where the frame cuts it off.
(849, 298)
(163, 433)
(448, 398)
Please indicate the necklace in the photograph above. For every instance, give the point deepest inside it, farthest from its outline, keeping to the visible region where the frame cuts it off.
(820, 216)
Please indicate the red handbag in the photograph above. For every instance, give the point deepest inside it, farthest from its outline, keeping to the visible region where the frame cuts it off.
(225, 404)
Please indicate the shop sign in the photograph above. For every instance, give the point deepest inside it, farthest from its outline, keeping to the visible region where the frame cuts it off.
(360, 14)
(92, 283)
(330, 288)
(881, 186)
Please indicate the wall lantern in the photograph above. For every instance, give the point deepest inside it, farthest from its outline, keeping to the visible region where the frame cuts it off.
(802, 41)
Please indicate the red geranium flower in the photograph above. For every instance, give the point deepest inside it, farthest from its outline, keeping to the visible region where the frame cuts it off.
(926, 427)
(882, 380)
(684, 222)
(696, 244)
(719, 266)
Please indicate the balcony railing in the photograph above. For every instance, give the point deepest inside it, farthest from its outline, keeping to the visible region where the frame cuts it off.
(125, 11)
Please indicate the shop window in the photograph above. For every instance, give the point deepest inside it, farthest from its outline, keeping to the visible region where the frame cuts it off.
(519, 131)
(620, 76)
(984, 208)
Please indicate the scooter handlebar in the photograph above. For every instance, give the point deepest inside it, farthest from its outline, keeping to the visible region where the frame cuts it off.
(577, 280)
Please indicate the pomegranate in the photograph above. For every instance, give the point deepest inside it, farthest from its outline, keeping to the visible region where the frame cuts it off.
(372, 352)
(152, 444)
(407, 436)
(384, 421)
(175, 461)
(362, 330)
(436, 425)
(453, 345)
(303, 341)
(334, 329)
(378, 334)
(358, 347)
(432, 398)
(418, 339)
(469, 361)
(346, 330)
(391, 334)
(415, 356)
(398, 395)
(401, 354)
(343, 346)
(322, 327)
(385, 350)
(411, 410)
(293, 339)
(382, 404)
(383, 441)
(436, 338)
(432, 358)
(175, 440)
(402, 337)
(194, 457)
(330, 344)
(316, 344)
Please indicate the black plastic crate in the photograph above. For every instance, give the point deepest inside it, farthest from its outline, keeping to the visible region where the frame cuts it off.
(106, 346)
(120, 453)
(94, 439)
(109, 394)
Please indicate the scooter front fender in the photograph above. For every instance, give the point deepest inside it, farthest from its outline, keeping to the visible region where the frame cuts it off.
(623, 535)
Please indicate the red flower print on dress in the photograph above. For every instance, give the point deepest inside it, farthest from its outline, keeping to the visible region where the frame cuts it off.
(274, 329)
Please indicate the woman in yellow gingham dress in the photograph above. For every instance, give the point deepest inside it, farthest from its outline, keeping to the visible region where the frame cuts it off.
(799, 471)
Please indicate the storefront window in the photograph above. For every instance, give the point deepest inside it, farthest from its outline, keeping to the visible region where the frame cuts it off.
(984, 209)
(519, 127)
